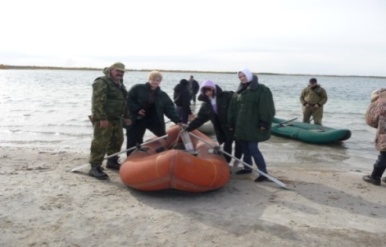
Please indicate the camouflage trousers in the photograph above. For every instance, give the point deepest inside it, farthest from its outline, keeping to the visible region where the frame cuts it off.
(316, 113)
(106, 141)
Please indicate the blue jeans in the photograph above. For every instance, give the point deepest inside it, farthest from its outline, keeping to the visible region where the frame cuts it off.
(251, 149)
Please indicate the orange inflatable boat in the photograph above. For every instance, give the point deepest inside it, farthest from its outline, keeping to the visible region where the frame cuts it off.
(162, 164)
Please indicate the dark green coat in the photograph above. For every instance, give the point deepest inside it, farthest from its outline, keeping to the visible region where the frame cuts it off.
(109, 100)
(138, 99)
(218, 120)
(251, 109)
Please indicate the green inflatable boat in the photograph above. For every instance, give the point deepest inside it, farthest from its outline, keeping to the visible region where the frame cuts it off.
(309, 133)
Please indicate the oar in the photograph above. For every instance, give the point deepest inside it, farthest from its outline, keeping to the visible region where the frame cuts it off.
(288, 121)
(281, 184)
(112, 155)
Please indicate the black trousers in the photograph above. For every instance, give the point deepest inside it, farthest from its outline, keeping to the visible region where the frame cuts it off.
(379, 166)
(135, 133)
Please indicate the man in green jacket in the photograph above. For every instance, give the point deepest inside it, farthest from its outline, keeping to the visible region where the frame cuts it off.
(313, 97)
(109, 107)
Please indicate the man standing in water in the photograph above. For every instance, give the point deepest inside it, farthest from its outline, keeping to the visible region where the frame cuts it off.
(313, 97)
(109, 107)
(194, 87)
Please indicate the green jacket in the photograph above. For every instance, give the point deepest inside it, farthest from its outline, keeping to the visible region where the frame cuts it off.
(138, 99)
(109, 100)
(251, 109)
(316, 95)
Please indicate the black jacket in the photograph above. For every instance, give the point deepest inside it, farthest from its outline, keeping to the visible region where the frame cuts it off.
(181, 96)
(218, 120)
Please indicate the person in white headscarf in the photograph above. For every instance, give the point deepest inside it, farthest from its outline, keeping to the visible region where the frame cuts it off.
(250, 116)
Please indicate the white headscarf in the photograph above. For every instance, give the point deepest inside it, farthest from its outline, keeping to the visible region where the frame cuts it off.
(247, 74)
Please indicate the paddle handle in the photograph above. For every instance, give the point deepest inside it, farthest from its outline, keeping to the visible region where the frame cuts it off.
(281, 184)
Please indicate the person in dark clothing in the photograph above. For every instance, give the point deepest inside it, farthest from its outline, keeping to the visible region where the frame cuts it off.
(147, 105)
(181, 98)
(250, 115)
(215, 108)
(194, 87)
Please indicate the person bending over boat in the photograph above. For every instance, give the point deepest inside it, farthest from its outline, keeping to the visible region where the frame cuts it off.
(181, 98)
(376, 118)
(109, 107)
(313, 97)
(147, 105)
(215, 108)
(250, 116)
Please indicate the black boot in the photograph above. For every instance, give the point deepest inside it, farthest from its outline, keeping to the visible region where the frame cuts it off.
(243, 171)
(261, 178)
(375, 177)
(112, 163)
(371, 180)
(96, 172)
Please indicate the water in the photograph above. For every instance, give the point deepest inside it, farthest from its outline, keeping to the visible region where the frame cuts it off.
(48, 109)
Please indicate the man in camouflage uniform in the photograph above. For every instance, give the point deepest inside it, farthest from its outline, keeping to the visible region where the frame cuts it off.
(313, 97)
(109, 107)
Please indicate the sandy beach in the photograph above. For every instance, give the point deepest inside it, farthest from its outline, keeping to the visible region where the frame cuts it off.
(44, 204)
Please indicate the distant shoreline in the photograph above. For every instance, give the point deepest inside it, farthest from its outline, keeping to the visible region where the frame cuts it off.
(5, 67)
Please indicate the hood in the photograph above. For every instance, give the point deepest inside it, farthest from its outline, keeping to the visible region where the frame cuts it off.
(377, 93)
(208, 83)
(247, 73)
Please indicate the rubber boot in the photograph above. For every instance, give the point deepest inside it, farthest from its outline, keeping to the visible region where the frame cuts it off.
(112, 163)
(97, 172)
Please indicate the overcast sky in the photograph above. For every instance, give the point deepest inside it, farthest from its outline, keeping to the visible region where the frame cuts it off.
(341, 37)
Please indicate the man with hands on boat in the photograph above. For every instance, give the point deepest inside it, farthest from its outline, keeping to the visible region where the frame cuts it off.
(147, 105)
(250, 116)
(313, 97)
(109, 108)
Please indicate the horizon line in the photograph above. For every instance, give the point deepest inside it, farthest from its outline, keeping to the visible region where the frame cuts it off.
(6, 66)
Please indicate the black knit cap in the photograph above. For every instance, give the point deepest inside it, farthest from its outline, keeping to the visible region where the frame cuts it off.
(313, 80)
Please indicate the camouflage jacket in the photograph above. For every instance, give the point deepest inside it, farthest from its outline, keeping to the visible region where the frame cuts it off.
(109, 100)
(316, 95)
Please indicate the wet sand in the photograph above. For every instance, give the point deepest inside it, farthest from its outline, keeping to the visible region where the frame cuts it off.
(43, 204)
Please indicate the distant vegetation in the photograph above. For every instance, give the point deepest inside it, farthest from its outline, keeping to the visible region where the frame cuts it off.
(5, 66)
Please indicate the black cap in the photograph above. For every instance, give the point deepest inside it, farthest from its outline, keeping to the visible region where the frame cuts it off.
(313, 80)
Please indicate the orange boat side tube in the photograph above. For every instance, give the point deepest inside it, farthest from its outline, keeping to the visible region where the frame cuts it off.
(176, 169)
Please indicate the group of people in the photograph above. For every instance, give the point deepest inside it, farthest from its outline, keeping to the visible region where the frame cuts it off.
(243, 117)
